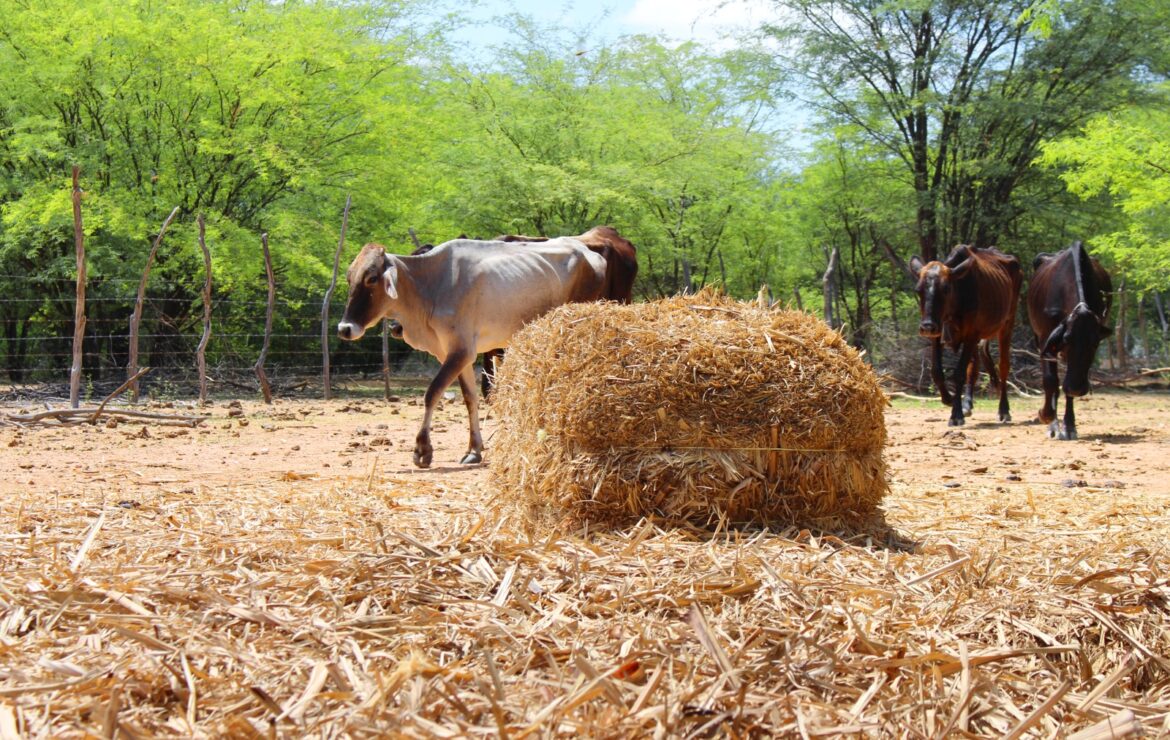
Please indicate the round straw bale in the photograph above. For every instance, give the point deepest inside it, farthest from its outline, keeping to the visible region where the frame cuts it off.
(696, 407)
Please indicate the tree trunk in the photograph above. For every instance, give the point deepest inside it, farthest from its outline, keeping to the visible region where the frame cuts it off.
(829, 287)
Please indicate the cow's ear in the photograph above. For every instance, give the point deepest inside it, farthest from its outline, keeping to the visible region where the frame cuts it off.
(959, 270)
(916, 265)
(390, 279)
(1055, 341)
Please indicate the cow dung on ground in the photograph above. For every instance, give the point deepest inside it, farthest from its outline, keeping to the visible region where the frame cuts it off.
(697, 408)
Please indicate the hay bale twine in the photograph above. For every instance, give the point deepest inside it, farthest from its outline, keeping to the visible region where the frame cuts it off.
(698, 407)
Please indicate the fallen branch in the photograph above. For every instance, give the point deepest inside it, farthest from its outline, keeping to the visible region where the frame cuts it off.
(93, 419)
(88, 414)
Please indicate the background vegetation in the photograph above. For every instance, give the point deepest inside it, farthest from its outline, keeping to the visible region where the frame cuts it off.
(993, 122)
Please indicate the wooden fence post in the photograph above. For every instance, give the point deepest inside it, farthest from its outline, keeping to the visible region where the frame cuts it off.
(328, 297)
(386, 356)
(79, 308)
(262, 376)
(1119, 327)
(132, 365)
(201, 350)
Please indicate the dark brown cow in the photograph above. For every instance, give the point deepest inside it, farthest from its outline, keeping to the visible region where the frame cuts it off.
(969, 296)
(1068, 300)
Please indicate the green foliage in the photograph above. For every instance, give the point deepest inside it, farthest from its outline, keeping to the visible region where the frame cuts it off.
(962, 95)
(656, 140)
(259, 115)
(1125, 157)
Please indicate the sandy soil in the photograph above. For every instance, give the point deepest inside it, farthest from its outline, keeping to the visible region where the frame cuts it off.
(1123, 444)
(285, 570)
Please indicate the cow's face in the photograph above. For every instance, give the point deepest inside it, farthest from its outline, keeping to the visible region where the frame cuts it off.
(1078, 336)
(373, 289)
(935, 287)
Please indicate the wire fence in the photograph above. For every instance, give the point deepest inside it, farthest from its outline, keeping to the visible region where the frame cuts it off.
(36, 341)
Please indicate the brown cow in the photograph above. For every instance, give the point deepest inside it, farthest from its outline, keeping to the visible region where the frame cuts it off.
(460, 299)
(621, 258)
(1068, 300)
(971, 295)
(621, 267)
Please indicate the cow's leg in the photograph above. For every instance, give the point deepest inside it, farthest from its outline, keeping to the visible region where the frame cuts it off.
(1051, 395)
(491, 363)
(1005, 368)
(965, 353)
(989, 365)
(450, 369)
(969, 388)
(1069, 431)
(936, 372)
(471, 400)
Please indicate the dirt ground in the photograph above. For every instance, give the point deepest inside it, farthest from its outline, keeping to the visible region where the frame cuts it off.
(1123, 444)
(285, 570)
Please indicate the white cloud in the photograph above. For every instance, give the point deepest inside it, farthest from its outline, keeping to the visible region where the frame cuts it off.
(699, 20)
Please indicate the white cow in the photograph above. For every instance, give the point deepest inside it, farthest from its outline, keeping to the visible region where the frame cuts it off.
(460, 299)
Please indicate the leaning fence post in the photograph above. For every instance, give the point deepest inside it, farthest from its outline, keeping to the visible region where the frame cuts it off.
(328, 297)
(201, 350)
(262, 376)
(132, 366)
(79, 308)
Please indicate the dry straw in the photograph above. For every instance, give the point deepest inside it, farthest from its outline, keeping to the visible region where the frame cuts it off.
(698, 407)
(142, 600)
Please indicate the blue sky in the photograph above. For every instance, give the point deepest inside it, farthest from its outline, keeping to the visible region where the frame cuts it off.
(703, 20)
(706, 21)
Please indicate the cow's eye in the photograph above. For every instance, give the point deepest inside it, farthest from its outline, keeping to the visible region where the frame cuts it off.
(371, 280)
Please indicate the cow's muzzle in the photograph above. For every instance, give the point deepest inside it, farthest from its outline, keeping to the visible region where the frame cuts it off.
(349, 331)
(929, 329)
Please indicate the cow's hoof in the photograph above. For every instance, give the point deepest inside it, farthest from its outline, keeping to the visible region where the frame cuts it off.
(956, 422)
(422, 458)
(1005, 418)
(471, 458)
(1054, 430)
(1068, 435)
(968, 408)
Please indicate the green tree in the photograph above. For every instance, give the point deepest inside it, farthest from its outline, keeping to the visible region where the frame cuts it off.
(259, 115)
(662, 142)
(1125, 158)
(961, 94)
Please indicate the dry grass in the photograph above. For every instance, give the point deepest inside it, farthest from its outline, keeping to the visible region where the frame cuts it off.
(407, 605)
(698, 408)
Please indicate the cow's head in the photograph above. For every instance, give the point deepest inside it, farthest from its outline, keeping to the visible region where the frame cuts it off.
(373, 290)
(935, 286)
(1078, 337)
